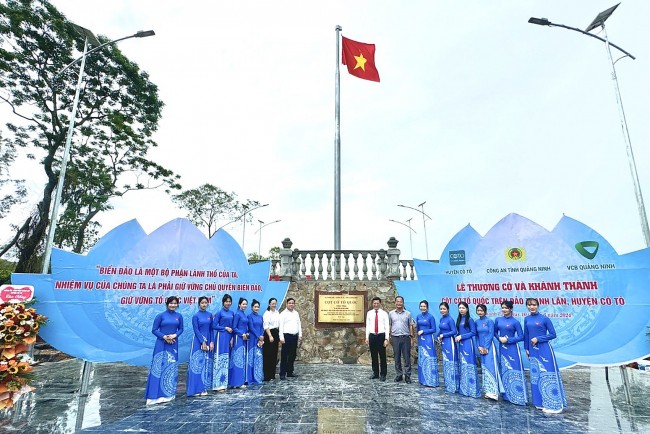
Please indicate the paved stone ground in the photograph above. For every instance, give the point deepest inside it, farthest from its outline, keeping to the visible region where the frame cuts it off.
(325, 399)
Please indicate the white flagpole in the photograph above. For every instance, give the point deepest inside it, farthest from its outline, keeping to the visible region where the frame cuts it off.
(337, 147)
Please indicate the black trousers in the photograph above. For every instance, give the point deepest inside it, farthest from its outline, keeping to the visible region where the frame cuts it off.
(288, 354)
(378, 353)
(270, 351)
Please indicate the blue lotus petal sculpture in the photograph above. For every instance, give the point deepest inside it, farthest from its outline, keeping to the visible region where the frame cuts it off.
(598, 301)
(101, 305)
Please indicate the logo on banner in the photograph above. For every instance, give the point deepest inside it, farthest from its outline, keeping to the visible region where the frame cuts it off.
(514, 254)
(588, 249)
(457, 257)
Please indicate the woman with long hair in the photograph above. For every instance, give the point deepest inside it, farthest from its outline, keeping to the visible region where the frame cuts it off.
(469, 385)
(447, 331)
(199, 368)
(271, 323)
(222, 323)
(255, 366)
(546, 383)
(427, 358)
(163, 375)
(509, 333)
(487, 352)
(237, 373)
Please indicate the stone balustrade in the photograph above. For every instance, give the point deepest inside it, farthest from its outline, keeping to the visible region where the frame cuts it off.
(361, 265)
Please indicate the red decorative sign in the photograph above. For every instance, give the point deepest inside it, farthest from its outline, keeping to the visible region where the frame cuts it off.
(16, 294)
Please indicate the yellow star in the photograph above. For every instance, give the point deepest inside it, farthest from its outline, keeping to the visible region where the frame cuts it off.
(361, 61)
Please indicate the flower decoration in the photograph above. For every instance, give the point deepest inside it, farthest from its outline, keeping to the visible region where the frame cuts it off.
(18, 328)
(18, 324)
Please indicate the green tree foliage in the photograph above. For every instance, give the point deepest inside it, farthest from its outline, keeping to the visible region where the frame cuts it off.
(255, 257)
(118, 113)
(12, 191)
(208, 204)
(274, 253)
(6, 268)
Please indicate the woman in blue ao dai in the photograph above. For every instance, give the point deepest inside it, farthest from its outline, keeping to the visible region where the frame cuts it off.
(508, 331)
(199, 368)
(546, 384)
(466, 356)
(222, 323)
(255, 372)
(238, 354)
(488, 354)
(163, 375)
(427, 358)
(447, 331)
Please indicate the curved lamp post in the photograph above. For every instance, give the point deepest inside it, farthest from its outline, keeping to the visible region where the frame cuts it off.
(90, 40)
(262, 226)
(246, 211)
(424, 223)
(599, 21)
(410, 230)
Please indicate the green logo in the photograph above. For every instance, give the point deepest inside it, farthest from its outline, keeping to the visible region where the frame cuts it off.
(582, 247)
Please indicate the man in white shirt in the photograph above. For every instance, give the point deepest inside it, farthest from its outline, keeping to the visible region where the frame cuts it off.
(290, 334)
(377, 332)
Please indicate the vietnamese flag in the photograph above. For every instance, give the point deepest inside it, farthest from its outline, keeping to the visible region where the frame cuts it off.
(360, 59)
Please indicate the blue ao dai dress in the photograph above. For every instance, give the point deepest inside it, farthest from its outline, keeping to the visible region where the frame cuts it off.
(546, 384)
(511, 366)
(255, 372)
(427, 358)
(238, 354)
(489, 362)
(222, 319)
(469, 384)
(163, 375)
(199, 368)
(447, 328)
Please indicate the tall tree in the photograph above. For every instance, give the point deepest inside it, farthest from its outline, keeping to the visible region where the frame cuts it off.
(12, 190)
(118, 113)
(208, 204)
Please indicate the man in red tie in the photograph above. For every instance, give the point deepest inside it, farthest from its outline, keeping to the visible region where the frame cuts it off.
(377, 332)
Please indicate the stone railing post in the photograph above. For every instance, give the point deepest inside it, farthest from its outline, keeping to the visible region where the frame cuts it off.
(286, 260)
(392, 257)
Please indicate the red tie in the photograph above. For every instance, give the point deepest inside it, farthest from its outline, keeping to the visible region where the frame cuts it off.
(376, 322)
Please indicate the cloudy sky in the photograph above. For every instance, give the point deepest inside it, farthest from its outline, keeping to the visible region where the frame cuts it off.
(478, 113)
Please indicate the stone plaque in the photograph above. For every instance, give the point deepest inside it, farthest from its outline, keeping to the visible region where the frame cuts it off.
(338, 308)
(341, 420)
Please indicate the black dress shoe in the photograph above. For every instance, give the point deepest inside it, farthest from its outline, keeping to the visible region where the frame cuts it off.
(398, 378)
(382, 378)
(408, 380)
(374, 377)
(292, 375)
(282, 377)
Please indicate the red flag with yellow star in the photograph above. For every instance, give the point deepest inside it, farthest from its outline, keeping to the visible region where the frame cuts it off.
(360, 59)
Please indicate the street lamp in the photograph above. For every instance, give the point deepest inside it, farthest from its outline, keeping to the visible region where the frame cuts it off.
(599, 21)
(410, 230)
(262, 226)
(247, 211)
(424, 223)
(239, 217)
(90, 39)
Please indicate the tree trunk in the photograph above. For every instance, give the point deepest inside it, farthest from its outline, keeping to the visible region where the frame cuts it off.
(35, 233)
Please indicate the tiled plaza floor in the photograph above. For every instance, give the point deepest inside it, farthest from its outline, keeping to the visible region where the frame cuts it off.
(324, 399)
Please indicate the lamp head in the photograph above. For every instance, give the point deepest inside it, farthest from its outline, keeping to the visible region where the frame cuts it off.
(144, 33)
(539, 21)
